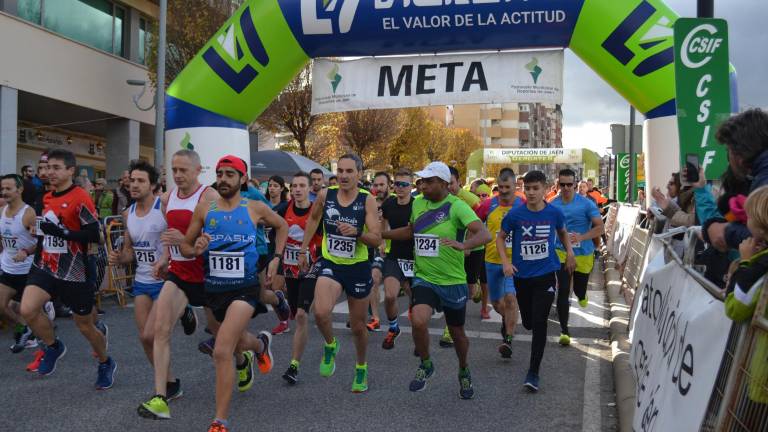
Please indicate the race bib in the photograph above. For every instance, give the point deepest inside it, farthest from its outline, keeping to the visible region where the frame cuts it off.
(176, 254)
(291, 255)
(9, 244)
(534, 250)
(507, 240)
(145, 255)
(55, 245)
(406, 266)
(267, 232)
(427, 245)
(341, 246)
(38, 221)
(227, 264)
(574, 245)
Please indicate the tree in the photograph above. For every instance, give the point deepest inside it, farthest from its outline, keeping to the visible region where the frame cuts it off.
(190, 24)
(407, 150)
(368, 133)
(461, 143)
(291, 111)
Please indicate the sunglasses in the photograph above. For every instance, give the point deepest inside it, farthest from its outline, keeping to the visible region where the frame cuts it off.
(483, 195)
(402, 184)
(566, 184)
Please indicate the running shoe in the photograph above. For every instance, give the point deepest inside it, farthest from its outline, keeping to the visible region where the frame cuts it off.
(173, 389)
(360, 384)
(104, 329)
(505, 349)
(281, 328)
(328, 362)
(50, 310)
(531, 382)
(477, 296)
(35, 363)
(583, 303)
(106, 375)
(264, 359)
(155, 409)
(389, 339)
(283, 310)
(565, 340)
(291, 376)
(207, 346)
(466, 391)
(245, 376)
(423, 373)
(189, 320)
(484, 314)
(446, 341)
(217, 427)
(373, 325)
(51, 358)
(24, 340)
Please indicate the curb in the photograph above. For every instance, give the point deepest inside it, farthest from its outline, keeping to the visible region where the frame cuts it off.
(620, 346)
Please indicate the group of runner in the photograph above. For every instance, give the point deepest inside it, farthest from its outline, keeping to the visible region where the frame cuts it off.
(217, 248)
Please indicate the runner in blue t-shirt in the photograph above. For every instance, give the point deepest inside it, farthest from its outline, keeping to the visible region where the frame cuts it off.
(584, 225)
(534, 262)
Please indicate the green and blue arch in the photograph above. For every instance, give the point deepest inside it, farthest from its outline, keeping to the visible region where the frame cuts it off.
(259, 50)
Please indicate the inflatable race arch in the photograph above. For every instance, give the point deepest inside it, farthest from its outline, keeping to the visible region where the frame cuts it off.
(260, 49)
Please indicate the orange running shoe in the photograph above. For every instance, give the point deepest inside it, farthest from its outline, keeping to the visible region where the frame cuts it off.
(217, 427)
(373, 325)
(32, 366)
(264, 359)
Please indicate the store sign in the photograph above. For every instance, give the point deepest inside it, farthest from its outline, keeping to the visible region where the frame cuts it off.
(80, 145)
(532, 156)
(399, 82)
(702, 90)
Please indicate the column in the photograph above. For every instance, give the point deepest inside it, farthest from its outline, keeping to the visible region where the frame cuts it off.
(132, 39)
(122, 146)
(9, 6)
(9, 131)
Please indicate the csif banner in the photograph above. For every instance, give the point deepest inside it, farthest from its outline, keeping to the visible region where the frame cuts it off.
(679, 334)
(702, 90)
(400, 82)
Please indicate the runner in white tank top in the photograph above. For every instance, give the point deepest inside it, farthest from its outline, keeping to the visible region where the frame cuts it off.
(18, 244)
(144, 232)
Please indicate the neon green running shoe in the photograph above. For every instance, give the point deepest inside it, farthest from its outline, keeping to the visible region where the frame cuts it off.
(446, 341)
(565, 340)
(360, 384)
(328, 362)
(156, 408)
(245, 376)
(584, 303)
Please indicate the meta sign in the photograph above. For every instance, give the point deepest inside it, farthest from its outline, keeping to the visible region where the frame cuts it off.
(702, 90)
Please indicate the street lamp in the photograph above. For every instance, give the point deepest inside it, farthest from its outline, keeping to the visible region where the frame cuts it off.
(138, 97)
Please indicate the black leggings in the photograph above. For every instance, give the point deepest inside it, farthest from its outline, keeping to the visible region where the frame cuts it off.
(535, 296)
(580, 282)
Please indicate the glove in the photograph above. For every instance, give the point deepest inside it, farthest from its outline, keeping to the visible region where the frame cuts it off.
(51, 229)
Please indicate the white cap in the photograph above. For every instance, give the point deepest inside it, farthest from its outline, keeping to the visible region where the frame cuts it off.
(436, 169)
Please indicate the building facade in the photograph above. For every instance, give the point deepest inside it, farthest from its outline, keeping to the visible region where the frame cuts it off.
(63, 82)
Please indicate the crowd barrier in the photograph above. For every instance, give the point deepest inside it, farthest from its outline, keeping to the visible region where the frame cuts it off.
(693, 368)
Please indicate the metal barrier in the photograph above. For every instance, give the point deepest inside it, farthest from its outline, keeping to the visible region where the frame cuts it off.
(638, 247)
(739, 399)
(120, 276)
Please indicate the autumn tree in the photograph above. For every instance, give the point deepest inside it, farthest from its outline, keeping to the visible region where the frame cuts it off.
(368, 133)
(291, 111)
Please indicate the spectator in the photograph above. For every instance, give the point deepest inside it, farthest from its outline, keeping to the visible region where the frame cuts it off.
(744, 291)
(30, 191)
(41, 182)
(333, 181)
(746, 139)
(84, 182)
(640, 198)
(679, 209)
(122, 194)
(102, 198)
(317, 183)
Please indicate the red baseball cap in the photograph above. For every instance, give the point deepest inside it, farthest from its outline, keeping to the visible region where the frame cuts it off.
(232, 162)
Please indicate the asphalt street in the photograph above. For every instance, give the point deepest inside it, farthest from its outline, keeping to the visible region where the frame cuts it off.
(576, 382)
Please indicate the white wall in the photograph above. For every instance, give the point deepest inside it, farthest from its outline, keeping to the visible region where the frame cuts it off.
(38, 61)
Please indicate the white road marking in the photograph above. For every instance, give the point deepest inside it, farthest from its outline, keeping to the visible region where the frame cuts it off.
(591, 417)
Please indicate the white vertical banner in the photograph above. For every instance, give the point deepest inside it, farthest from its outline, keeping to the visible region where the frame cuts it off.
(679, 335)
(399, 82)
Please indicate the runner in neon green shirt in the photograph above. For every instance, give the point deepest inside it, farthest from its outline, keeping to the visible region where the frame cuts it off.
(438, 222)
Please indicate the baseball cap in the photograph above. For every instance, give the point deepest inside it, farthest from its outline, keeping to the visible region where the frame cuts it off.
(234, 162)
(435, 169)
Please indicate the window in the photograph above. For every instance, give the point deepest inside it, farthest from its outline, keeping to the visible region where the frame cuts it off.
(98, 23)
(142, 40)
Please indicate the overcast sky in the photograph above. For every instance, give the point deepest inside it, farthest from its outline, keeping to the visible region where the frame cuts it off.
(590, 105)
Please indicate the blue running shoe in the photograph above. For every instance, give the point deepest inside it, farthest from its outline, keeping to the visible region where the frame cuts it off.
(51, 358)
(423, 373)
(106, 376)
(531, 382)
(207, 346)
(466, 390)
(282, 309)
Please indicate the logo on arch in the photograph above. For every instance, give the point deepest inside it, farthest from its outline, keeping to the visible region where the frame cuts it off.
(318, 16)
